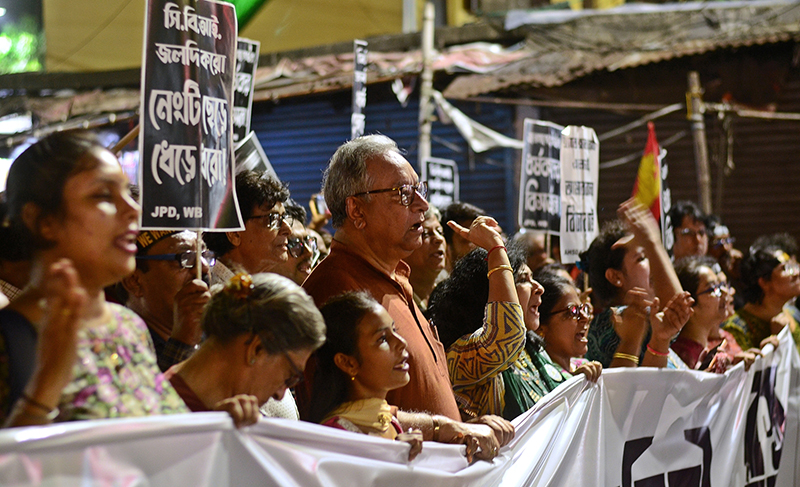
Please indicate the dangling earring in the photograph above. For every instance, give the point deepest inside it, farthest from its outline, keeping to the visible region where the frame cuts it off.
(352, 377)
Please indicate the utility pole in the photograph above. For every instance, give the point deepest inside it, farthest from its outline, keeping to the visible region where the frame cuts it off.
(696, 109)
(426, 89)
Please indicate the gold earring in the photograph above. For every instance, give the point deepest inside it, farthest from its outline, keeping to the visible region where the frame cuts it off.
(352, 377)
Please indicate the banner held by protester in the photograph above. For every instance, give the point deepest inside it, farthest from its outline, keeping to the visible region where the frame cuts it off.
(246, 65)
(580, 156)
(540, 177)
(185, 145)
(642, 426)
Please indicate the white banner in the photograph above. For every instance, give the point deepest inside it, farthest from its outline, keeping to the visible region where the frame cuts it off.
(642, 428)
(580, 156)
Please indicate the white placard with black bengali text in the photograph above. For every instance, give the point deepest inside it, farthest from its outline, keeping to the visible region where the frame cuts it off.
(580, 156)
(443, 183)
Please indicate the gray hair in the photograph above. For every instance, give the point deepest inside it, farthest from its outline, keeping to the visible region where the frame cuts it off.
(433, 211)
(346, 173)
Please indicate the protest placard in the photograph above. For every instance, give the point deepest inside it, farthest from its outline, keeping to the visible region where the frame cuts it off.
(540, 177)
(185, 144)
(442, 177)
(246, 64)
(358, 119)
(580, 154)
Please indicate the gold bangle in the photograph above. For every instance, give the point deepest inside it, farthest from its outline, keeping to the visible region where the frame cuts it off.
(499, 268)
(627, 356)
(435, 428)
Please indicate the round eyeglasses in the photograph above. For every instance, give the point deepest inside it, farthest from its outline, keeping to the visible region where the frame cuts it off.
(274, 220)
(715, 290)
(186, 260)
(298, 245)
(407, 192)
(575, 311)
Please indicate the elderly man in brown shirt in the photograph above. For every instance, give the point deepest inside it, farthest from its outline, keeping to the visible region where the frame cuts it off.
(377, 205)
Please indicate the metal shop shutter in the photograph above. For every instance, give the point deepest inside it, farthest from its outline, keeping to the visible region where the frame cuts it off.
(300, 135)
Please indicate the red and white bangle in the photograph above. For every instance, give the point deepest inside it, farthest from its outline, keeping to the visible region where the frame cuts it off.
(493, 249)
(656, 352)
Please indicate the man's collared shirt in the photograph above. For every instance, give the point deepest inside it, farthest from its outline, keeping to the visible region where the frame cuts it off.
(429, 388)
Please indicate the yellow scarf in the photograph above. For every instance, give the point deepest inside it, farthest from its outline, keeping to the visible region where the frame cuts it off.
(372, 416)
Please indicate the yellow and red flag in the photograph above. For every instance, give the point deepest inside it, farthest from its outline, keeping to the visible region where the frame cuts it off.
(647, 188)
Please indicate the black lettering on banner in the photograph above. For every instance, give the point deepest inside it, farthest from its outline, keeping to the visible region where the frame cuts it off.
(764, 430)
(579, 221)
(697, 476)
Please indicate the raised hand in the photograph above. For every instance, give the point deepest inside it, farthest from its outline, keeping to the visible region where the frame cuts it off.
(484, 232)
(639, 220)
(669, 322)
(63, 304)
(633, 325)
(187, 309)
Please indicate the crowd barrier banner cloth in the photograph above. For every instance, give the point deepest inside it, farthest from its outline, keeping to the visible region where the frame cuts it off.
(643, 428)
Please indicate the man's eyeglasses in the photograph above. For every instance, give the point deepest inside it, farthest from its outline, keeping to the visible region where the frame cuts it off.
(688, 232)
(575, 311)
(297, 374)
(407, 192)
(274, 220)
(187, 259)
(297, 245)
(715, 290)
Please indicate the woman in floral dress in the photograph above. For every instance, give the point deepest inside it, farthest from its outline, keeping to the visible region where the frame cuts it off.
(67, 354)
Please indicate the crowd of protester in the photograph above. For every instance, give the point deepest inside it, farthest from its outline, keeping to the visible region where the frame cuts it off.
(408, 322)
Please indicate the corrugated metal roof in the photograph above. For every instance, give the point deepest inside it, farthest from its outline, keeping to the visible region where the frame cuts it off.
(562, 52)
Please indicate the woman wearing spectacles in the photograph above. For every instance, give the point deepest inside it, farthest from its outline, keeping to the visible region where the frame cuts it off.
(771, 279)
(260, 331)
(491, 367)
(563, 325)
(713, 304)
